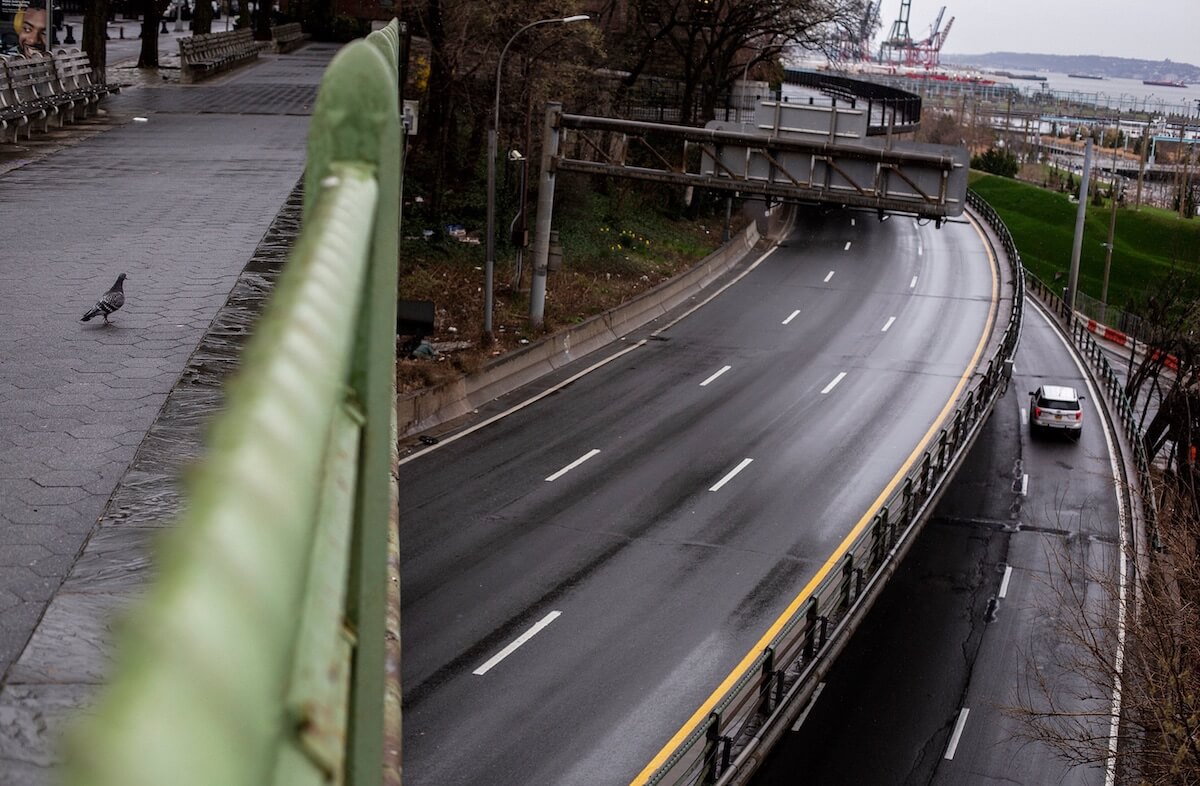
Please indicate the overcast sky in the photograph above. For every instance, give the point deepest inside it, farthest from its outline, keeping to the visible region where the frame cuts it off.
(1145, 29)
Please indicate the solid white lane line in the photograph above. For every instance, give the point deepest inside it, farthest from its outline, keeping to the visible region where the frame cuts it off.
(958, 729)
(1004, 582)
(732, 474)
(791, 316)
(517, 642)
(811, 703)
(847, 248)
(833, 384)
(1110, 767)
(1025, 485)
(529, 401)
(714, 376)
(573, 465)
(912, 284)
(888, 324)
(828, 276)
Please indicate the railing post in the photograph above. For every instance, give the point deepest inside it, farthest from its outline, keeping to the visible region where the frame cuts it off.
(711, 748)
(765, 681)
(810, 628)
(847, 577)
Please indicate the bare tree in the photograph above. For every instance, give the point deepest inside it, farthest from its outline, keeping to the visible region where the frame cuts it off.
(95, 27)
(1141, 645)
(1140, 641)
(202, 17)
(465, 39)
(708, 44)
(152, 12)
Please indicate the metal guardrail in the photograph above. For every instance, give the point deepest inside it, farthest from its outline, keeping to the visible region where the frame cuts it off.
(888, 108)
(257, 656)
(726, 746)
(1077, 329)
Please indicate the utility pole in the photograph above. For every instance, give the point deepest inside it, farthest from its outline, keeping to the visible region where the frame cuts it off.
(1080, 215)
(1108, 252)
(1137, 202)
(1112, 219)
(1179, 174)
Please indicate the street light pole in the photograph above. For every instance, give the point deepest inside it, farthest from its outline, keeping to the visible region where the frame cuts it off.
(490, 263)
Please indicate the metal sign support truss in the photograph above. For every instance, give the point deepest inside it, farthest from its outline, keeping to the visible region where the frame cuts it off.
(825, 176)
(785, 164)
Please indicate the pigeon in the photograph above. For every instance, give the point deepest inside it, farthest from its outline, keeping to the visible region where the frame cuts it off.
(109, 302)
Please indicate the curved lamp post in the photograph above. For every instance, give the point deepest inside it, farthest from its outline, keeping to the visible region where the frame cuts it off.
(491, 171)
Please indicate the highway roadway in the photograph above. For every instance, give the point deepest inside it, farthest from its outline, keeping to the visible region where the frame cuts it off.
(579, 576)
(973, 614)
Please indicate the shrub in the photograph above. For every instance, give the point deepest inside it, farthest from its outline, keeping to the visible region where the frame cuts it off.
(997, 162)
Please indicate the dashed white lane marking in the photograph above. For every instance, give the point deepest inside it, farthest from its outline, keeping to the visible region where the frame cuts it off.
(912, 284)
(885, 218)
(714, 376)
(811, 703)
(573, 465)
(1004, 581)
(851, 224)
(888, 324)
(920, 251)
(833, 384)
(916, 224)
(517, 642)
(1024, 416)
(847, 248)
(1025, 485)
(732, 474)
(958, 730)
(828, 276)
(791, 316)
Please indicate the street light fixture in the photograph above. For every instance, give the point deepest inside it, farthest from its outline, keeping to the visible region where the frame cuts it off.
(490, 262)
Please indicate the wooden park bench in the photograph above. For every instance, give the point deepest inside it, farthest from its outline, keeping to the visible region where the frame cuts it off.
(285, 38)
(36, 92)
(203, 55)
(14, 116)
(76, 78)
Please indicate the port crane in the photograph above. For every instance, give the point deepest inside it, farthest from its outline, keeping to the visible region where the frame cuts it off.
(899, 46)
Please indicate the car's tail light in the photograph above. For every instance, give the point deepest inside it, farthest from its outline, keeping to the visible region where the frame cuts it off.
(1037, 412)
(1079, 415)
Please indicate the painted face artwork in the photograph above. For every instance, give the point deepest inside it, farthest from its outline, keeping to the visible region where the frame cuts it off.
(31, 31)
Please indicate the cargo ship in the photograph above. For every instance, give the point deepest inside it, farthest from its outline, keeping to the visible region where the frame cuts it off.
(1084, 76)
(1157, 83)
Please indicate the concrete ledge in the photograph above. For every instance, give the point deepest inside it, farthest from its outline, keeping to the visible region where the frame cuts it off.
(424, 409)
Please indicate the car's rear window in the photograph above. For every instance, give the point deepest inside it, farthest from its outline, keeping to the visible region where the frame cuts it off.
(1051, 403)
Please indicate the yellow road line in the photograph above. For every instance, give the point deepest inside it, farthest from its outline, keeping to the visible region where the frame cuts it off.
(705, 708)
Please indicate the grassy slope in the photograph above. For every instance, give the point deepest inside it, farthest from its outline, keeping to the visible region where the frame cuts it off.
(1147, 244)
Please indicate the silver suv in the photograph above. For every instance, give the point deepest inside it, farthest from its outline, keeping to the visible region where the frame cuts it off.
(1055, 408)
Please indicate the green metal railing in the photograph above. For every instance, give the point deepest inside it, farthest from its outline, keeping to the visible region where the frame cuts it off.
(257, 656)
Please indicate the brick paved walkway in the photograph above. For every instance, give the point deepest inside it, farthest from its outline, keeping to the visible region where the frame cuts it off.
(178, 202)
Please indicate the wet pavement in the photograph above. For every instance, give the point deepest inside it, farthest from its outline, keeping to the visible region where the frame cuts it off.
(97, 421)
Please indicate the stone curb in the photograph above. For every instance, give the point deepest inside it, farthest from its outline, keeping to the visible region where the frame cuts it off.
(424, 409)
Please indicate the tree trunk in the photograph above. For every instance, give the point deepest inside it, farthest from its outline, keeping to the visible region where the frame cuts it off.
(95, 21)
(202, 18)
(262, 21)
(437, 117)
(148, 57)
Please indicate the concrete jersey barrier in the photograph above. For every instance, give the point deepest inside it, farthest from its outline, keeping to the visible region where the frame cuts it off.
(424, 409)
